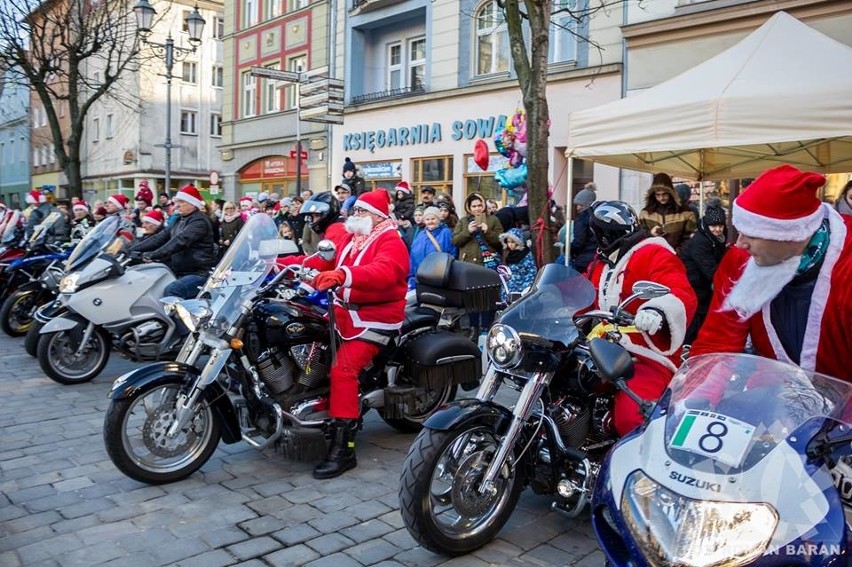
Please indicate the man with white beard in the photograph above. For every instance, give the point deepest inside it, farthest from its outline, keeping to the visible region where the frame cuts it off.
(788, 284)
(370, 273)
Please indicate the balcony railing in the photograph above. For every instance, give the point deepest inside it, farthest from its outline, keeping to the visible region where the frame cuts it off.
(361, 6)
(389, 94)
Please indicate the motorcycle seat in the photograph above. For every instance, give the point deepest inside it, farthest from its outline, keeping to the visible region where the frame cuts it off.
(417, 317)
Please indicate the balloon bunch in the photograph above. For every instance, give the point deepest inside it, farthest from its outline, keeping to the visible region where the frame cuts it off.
(512, 143)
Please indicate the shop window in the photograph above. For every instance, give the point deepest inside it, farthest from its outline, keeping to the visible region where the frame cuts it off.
(434, 171)
(483, 182)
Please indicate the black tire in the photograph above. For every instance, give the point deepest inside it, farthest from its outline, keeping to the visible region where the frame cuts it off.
(456, 519)
(32, 338)
(16, 314)
(56, 355)
(134, 435)
(426, 400)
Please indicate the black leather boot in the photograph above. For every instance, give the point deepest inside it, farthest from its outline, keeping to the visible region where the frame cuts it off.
(341, 452)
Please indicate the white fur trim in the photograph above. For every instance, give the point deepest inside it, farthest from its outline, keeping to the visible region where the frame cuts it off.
(369, 207)
(348, 281)
(785, 230)
(181, 196)
(675, 313)
(151, 220)
(79, 207)
(115, 202)
(651, 354)
(609, 290)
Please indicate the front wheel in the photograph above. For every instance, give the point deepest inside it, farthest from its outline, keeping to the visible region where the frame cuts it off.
(440, 501)
(59, 358)
(32, 338)
(136, 435)
(16, 314)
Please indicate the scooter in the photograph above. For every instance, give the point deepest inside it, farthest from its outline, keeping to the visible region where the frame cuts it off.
(744, 462)
(107, 304)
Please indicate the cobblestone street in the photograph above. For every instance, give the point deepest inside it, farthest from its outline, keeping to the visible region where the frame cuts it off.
(62, 502)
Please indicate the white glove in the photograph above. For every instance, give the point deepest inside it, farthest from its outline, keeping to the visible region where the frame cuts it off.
(648, 320)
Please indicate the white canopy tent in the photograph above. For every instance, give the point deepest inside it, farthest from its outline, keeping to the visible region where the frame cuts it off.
(781, 95)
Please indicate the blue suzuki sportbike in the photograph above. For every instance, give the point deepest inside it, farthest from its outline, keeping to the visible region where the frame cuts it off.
(743, 462)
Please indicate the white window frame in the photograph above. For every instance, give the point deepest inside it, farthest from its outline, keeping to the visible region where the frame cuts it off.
(294, 64)
(495, 31)
(293, 5)
(395, 68)
(36, 160)
(44, 155)
(272, 92)
(219, 27)
(215, 125)
(52, 153)
(272, 8)
(189, 72)
(415, 63)
(96, 129)
(563, 43)
(249, 13)
(249, 95)
(217, 79)
(189, 122)
(108, 126)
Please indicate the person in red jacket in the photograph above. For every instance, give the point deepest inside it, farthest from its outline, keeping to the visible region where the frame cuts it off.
(368, 275)
(788, 283)
(626, 255)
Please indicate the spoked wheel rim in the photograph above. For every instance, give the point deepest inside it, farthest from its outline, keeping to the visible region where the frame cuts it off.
(144, 432)
(21, 314)
(455, 504)
(425, 400)
(62, 353)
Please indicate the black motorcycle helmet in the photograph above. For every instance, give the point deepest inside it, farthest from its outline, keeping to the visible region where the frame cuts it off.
(612, 222)
(324, 203)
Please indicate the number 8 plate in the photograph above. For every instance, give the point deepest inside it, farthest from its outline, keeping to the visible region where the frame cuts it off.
(713, 435)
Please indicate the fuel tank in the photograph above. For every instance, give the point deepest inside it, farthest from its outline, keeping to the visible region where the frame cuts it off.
(286, 323)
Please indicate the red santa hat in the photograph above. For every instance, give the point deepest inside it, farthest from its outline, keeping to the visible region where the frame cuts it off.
(81, 206)
(404, 187)
(780, 205)
(190, 194)
(119, 200)
(154, 217)
(246, 202)
(35, 197)
(374, 201)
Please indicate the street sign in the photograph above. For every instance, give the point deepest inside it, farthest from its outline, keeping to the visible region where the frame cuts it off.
(314, 100)
(325, 119)
(320, 85)
(317, 71)
(277, 74)
(293, 155)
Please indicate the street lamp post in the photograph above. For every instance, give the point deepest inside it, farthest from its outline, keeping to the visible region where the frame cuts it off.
(195, 24)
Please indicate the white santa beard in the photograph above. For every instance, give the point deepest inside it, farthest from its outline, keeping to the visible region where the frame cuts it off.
(358, 225)
(759, 285)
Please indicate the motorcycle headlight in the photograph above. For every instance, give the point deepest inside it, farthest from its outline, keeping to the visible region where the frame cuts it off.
(193, 313)
(69, 282)
(673, 530)
(504, 346)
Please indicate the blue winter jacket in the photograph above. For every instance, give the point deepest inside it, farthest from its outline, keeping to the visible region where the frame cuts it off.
(422, 246)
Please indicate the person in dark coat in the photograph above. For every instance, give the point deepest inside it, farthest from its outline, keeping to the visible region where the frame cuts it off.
(186, 245)
(583, 243)
(230, 224)
(701, 255)
(352, 179)
(403, 203)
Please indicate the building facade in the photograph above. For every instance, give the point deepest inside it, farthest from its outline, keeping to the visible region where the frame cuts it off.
(125, 134)
(14, 138)
(261, 130)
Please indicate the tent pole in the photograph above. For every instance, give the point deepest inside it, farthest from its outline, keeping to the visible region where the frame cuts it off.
(569, 209)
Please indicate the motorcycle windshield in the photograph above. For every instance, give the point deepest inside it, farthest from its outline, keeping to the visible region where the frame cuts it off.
(547, 311)
(95, 240)
(728, 411)
(242, 270)
(41, 230)
(10, 230)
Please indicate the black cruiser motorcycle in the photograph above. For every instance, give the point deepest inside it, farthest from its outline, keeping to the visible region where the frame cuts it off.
(466, 469)
(255, 365)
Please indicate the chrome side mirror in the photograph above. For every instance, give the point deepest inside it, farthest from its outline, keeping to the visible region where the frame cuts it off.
(326, 250)
(644, 289)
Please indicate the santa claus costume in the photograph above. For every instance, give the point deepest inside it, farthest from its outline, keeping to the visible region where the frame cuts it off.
(807, 317)
(656, 356)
